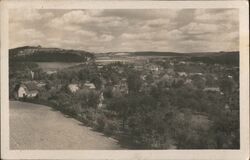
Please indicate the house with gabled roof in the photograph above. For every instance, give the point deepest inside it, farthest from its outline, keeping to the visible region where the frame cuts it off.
(26, 90)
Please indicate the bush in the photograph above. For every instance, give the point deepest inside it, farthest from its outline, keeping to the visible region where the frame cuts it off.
(99, 123)
(110, 127)
(83, 118)
(88, 116)
(76, 108)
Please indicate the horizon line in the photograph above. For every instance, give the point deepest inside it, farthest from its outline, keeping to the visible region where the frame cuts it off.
(124, 51)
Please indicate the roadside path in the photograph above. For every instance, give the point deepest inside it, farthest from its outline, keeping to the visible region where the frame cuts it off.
(35, 126)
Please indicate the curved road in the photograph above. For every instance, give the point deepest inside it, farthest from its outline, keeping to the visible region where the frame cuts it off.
(35, 126)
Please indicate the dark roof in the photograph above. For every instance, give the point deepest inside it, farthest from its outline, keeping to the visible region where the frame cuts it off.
(31, 85)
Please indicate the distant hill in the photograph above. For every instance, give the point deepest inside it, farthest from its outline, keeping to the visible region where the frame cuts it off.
(39, 54)
(152, 53)
(140, 53)
(230, 58)
(172, 54)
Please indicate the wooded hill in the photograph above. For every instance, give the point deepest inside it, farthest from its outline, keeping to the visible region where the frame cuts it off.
(228, 58)
(39, 54)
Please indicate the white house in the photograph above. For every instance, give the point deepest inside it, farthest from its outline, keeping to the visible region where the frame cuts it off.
(188, 81)
(51, 72)
(182, 74)
(182, 62)
(194, 74)
(89, 85)
(154, 68)
(230, 77)
(28, 89)
(73, 88)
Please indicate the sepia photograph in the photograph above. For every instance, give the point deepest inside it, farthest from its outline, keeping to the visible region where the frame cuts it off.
(124, 79)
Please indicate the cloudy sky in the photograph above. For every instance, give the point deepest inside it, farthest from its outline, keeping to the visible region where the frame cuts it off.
(187, 30)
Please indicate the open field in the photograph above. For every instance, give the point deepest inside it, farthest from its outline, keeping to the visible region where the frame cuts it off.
(48, 66)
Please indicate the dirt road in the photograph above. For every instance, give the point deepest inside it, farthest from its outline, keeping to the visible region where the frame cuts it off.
(40, 127)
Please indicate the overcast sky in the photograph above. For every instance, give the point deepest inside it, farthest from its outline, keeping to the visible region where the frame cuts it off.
(189, 30)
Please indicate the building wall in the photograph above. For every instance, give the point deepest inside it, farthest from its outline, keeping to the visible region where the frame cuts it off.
(32, 94)
(21, 92)
(73, 88)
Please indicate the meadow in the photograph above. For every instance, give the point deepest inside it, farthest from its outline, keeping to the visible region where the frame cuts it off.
(48, 66)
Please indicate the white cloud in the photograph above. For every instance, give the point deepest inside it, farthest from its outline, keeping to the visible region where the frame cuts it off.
(30, 33)
(158, 22)
(158, 35)
(127, 30)
(199, 28)
(106, 38)
(176, 34)
(85, 33)
(28, 36)
(70, 27)
(79, 17)
(72, 17)
(232, 36)
(218, 15)
(136, 36)
(28, 15)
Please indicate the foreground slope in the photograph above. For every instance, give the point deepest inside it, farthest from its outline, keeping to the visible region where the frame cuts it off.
(39, 127)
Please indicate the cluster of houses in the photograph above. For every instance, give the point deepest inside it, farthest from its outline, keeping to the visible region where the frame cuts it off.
(159, 74)
(121, 87)
(31, 88)
(74, 87)
(169, 76)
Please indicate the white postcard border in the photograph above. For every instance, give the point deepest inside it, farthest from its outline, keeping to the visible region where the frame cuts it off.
(127, 154)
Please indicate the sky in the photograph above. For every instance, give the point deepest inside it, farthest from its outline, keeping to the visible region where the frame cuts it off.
(127, 30)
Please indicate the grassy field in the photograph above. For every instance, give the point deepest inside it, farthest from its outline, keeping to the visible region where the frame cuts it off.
(49, 66)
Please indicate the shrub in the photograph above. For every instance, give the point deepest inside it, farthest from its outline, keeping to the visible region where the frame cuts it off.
(110, 127)
(99, 123)
(88, 116)
(76, 108)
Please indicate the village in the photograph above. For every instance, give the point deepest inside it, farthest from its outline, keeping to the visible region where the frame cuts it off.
(112, 97)
(166, 72)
